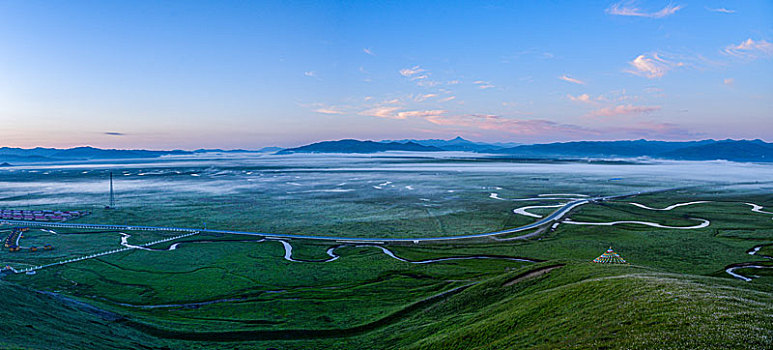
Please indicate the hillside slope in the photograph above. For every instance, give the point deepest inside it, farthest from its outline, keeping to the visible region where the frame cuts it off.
(577, 306)
(588, 306)
(31, 320)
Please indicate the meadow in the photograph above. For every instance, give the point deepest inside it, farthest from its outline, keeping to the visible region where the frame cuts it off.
(238, 291)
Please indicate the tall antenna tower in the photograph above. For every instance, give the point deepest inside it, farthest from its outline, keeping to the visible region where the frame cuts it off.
(112, 195)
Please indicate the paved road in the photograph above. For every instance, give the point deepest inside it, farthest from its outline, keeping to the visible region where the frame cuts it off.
(555, 216)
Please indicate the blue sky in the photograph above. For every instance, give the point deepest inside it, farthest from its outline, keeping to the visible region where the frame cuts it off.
(191, 74)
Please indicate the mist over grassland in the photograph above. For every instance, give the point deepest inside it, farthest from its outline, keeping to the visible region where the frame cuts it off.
(393, 193)
(261, 292)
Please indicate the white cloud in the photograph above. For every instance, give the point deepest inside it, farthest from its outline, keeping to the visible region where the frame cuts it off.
(420, 114)
(483, 84)
(422, 98)
(571, 80)
(721, 10)
(584, 98)
(491, 122)
(310, 74)
(380, 111)
(446, 99)
(628, 8)
(652, 67)
(327, 110)
(750, 49)
(409, 72)
(427, 83)
(622, 110)
(368, 51)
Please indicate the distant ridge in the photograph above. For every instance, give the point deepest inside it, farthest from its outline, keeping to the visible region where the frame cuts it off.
(457, 144)
(742, 151)
(40, 154)
(601, 149)
(356, 146)
(731, 150)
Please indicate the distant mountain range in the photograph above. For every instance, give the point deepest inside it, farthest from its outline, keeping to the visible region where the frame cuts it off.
(733, 150)
(9, 155)
(356, 146)
(458, 144)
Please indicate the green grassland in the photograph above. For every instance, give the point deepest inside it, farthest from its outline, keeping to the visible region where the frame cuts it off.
(32, 320)
(71, 243)
(238, 292)
(283, 293)
(734, 229)
(314, 199)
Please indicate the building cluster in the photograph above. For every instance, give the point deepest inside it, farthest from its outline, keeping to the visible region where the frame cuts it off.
(40, 215)
(11, 242)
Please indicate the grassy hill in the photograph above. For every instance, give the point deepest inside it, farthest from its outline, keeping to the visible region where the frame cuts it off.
(229, 292)
(33, 320)
(579, 306)
(585, 306)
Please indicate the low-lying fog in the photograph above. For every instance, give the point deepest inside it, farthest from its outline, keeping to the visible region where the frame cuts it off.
(309, 176)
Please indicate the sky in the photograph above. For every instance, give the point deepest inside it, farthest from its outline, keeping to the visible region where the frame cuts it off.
(248, 74)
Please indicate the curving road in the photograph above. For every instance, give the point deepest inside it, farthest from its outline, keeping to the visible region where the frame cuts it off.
(556, 215)
(668, 207)
(704, 223)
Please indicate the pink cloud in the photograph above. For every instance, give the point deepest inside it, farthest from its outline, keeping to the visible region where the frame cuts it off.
(380, 111)
(524, 127)
(584, 98)
(622, 110)
(420, 114)
(326, 110)
(422, 98)
(750, 49)
(652, 67)
(484, 84)
(409, 72)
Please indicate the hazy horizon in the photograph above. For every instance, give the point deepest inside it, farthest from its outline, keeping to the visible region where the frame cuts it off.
(350, 138)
